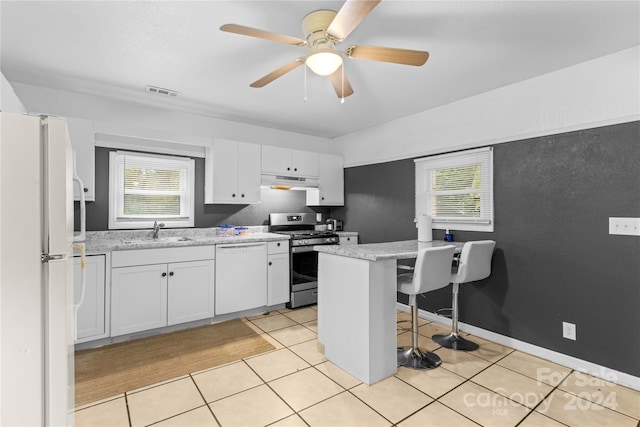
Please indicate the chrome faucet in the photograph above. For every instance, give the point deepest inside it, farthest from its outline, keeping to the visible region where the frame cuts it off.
(156, 229)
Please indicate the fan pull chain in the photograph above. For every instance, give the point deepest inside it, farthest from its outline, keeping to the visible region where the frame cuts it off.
(305, 83)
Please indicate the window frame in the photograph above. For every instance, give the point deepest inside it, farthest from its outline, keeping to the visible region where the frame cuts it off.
(116, 192)
(423, 195)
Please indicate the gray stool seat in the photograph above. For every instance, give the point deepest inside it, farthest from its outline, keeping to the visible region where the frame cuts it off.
(432, 271)
(474, 264)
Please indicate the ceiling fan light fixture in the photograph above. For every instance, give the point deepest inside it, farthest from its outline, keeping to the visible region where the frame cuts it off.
(323, 61)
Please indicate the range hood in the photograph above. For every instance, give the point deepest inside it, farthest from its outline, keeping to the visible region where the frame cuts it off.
(283, 182)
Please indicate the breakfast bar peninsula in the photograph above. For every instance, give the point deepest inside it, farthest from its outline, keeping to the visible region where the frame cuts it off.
(357, 304)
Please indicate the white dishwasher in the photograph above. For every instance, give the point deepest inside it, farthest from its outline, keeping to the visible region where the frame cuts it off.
(241, 277)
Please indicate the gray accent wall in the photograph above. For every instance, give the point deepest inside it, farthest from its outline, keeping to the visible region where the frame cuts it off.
(555, 260)
(205, 215)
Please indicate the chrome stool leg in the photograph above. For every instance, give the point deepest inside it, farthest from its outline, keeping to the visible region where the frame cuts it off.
(412, 357)
(454, 340)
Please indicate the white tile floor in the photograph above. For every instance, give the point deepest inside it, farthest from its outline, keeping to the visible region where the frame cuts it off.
(294, 385)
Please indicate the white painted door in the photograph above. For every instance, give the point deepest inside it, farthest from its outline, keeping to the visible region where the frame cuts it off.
(82, 139)
(304, 163)
(139, 298)
(276, 160)
(190, 291)
(278, 279)
(90, 319)
(225, 172)
(249, 172)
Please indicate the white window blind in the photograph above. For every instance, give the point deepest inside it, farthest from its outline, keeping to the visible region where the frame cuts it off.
(456, 190)
(145, 188)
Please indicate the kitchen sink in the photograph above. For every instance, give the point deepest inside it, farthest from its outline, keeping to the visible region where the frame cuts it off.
(158, 240)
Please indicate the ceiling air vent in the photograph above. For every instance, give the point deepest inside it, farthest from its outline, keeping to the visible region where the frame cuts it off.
(161, 91)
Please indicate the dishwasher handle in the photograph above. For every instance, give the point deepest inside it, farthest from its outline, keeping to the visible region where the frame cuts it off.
(241, 247)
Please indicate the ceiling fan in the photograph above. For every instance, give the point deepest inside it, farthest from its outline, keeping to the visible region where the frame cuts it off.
(324, 30)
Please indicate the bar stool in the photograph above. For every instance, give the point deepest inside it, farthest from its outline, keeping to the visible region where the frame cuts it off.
(474, 264)
(432, 271)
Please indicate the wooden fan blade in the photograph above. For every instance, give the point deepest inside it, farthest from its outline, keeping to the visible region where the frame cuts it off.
(254, 32)
(349, 17)
(388, 54)
(278, 73)
(336, 82)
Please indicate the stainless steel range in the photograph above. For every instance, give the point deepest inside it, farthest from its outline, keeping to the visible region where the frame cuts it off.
(302, 258)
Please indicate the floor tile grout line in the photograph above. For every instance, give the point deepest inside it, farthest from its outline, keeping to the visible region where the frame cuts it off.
(470, 379)
(126, 403)
(530, 377)
(558, 387)
(453, 409)
(350, 391)
(592, 402)
(545, 398)
(204, 400)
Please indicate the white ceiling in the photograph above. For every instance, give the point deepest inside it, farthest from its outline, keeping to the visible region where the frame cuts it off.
(115, 49)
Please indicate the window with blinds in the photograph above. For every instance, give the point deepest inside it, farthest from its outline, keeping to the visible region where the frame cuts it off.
(145, 188)
(456, 190)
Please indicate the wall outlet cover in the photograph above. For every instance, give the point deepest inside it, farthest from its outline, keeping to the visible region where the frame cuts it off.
(624, 226)
(569, 330)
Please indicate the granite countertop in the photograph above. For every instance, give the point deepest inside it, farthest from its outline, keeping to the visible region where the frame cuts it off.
(107, 241)
(384, 251)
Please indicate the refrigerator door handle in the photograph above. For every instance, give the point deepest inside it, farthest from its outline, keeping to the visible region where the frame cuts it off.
(48, 257)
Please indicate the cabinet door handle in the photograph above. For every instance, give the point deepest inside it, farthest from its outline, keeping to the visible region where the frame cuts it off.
(295, 169)
(288, 169)
(164, 274)
(233, 195)
(171, 273)
(323, 198)
(86, 190)
(242, 195)
(270, 263)
(278, 243)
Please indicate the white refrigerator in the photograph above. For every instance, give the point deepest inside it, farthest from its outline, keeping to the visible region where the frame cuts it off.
(36, 271)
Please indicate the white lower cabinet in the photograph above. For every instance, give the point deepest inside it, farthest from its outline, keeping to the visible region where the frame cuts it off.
(164, 293)
(91, 318)
(190, 291)
(139, 298)
(278, 273)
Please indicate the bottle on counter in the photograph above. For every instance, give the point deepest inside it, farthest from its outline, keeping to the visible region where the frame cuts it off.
(448, 236)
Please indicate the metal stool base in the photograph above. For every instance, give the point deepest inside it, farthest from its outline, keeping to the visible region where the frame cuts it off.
(416, 359)
(455, 342)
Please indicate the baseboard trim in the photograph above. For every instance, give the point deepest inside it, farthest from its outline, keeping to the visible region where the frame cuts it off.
(590, 368)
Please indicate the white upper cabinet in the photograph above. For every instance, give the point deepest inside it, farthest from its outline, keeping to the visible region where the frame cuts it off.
(287, 162)
(330, 191)
(81, 133)
(232, 173)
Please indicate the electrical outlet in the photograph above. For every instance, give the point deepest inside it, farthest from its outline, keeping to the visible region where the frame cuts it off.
(624, 226)
(569, 331)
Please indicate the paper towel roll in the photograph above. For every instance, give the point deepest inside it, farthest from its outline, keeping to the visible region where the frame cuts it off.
(424, 228)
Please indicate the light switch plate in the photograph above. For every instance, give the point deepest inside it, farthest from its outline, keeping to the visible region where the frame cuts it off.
(624, 226)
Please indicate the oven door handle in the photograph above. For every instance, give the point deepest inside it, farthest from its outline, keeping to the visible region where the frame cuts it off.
(300, 249)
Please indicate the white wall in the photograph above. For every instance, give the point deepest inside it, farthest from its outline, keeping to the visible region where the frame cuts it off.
(595, 93)
(132, 119)
(9, 102)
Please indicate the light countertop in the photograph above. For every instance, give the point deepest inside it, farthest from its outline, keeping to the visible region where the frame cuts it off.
(107, 241)
(383, 251)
